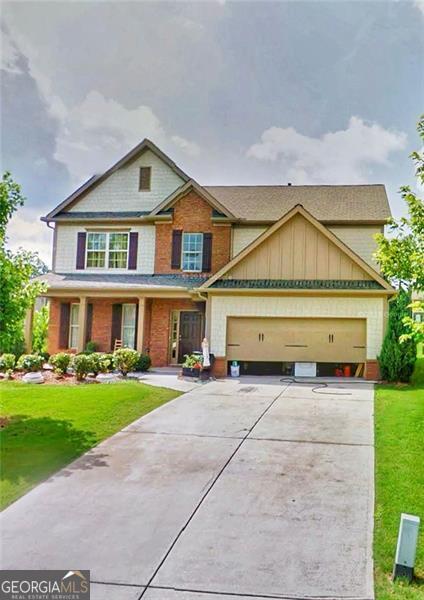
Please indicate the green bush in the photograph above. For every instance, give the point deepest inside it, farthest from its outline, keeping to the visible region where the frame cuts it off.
(90, 347)
(60, 362)
(30, 362)
(101, 362)
(144, 363)
(39, 330)
(125, 360)
(7, 363)
(82, 365)
(397, 359)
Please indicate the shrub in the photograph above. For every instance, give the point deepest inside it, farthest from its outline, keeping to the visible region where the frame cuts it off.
(60, 362)
(7, 363)
(144, 363)
(101, 363)
(30, 362)
(397, 358)
(90, 347)
(39, 330)
(125, 359)
(82, 365)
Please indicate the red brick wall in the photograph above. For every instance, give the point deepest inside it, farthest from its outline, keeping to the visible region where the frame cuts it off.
(160, 326)
(192, 214)
(54, 324)
(372, 370)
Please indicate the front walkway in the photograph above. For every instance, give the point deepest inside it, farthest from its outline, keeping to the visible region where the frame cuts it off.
(254, 487)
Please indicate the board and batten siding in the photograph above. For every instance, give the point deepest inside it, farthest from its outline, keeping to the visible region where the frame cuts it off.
(66, 248)
(359, 238)
(371, 309)
(120, 191)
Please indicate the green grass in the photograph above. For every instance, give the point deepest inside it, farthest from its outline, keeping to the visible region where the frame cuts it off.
(52, 425)
(399, 429)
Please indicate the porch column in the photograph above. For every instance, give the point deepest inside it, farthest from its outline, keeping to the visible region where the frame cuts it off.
(140, 324)
(29, 317)
(82, 323)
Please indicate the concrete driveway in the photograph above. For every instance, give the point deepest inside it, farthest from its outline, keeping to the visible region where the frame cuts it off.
(254, 488)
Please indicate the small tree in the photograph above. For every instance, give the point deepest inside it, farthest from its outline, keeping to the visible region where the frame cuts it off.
(40, 329)
(18, 290)
(397, 358)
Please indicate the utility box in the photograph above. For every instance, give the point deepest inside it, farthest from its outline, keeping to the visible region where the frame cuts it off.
(406, 546)
(305, 369)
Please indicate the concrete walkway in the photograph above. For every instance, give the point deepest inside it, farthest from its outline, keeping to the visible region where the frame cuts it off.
(238, 489)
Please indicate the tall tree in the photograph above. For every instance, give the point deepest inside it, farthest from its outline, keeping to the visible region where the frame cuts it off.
(18, 289)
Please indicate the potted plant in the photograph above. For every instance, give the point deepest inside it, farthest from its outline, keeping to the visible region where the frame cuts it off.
(192, 365)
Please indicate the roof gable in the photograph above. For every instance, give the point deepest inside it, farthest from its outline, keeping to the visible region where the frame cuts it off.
(297, 247)
(91, 184)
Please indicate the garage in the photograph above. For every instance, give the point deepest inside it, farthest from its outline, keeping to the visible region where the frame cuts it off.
(275, 340)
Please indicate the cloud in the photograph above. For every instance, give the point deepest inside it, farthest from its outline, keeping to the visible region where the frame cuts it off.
(190, 148)
(344, 156)
(25, 229)
(420, 5)
(9, 54)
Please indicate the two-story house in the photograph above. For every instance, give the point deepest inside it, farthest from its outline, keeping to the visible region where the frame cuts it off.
(271, 275)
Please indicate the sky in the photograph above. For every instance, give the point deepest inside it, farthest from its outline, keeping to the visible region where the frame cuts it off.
(234, 92)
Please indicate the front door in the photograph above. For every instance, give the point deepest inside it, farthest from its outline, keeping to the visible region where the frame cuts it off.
(190, 334)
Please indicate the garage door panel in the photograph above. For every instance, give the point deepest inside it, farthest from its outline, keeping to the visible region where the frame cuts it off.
(294, 339)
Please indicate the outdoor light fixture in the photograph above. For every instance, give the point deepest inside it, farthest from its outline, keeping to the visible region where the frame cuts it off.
(406, 547)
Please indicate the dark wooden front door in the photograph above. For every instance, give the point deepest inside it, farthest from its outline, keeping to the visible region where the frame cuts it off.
(190, 333)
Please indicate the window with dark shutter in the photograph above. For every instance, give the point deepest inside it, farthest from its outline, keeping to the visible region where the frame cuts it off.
(145, 179)
(177, 235)
(116, 332)
(65, 312)
(132, 255)
(207, 253)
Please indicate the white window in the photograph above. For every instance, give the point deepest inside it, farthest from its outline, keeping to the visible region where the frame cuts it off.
(107, 249)
(128, 325)
(192, 249)
(73, 326)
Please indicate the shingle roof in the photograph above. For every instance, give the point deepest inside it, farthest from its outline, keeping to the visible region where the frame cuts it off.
(81, 281)
(298, 284)
(101, 215)
(327, 203)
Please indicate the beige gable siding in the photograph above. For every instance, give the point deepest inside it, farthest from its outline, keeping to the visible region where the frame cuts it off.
(243, 236)
(119, 192)
(360, 239)
(66, 249)
(297, 250)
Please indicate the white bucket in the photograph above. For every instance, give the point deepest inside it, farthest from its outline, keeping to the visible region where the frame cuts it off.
(235, 371)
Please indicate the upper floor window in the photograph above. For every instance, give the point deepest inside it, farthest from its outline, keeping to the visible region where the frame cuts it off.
(192, 251)
(145, 179)
(107, 249)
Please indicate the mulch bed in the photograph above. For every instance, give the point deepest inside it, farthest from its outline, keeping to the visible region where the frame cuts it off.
(51, 379)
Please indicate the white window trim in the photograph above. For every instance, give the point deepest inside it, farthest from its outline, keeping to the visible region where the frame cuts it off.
(107, 251)
(201, 252)
(126, 326)
(73, 326)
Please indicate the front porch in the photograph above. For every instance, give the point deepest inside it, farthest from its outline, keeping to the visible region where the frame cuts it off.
(165, 328)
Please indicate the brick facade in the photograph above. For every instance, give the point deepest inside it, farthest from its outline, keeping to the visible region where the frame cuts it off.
(192, 214)
(372, 370)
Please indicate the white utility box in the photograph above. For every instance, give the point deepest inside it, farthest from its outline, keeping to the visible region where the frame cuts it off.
(305, 369)
(406, 546)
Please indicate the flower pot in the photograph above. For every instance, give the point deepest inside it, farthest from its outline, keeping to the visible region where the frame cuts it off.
(190, 372)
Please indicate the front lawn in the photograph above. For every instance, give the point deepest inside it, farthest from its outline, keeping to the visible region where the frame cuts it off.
(46, 427)
(399, 445)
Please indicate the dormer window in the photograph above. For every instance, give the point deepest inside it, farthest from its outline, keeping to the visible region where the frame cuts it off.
(145, 179)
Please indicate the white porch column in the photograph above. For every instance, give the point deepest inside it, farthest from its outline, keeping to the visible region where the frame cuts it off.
(82, 323)
(29, 317)
(140, 325)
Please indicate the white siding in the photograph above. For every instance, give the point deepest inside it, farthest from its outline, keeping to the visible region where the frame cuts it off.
(66, 249)
(243, 236)
(119, 192)
(359, 239)
(372, 309)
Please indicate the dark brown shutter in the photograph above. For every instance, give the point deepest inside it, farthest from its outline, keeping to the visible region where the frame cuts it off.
(89, 326)
(145, 179)
(116, 324)
(82, 236)
(207, 253)
(132, 253)
(177, 236)
(65, 314)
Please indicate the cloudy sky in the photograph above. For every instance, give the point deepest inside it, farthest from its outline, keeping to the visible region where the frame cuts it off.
(234, 92)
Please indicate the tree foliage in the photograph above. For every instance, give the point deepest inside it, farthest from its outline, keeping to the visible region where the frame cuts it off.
(397, 358)
(40, 329)
(18, 290)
